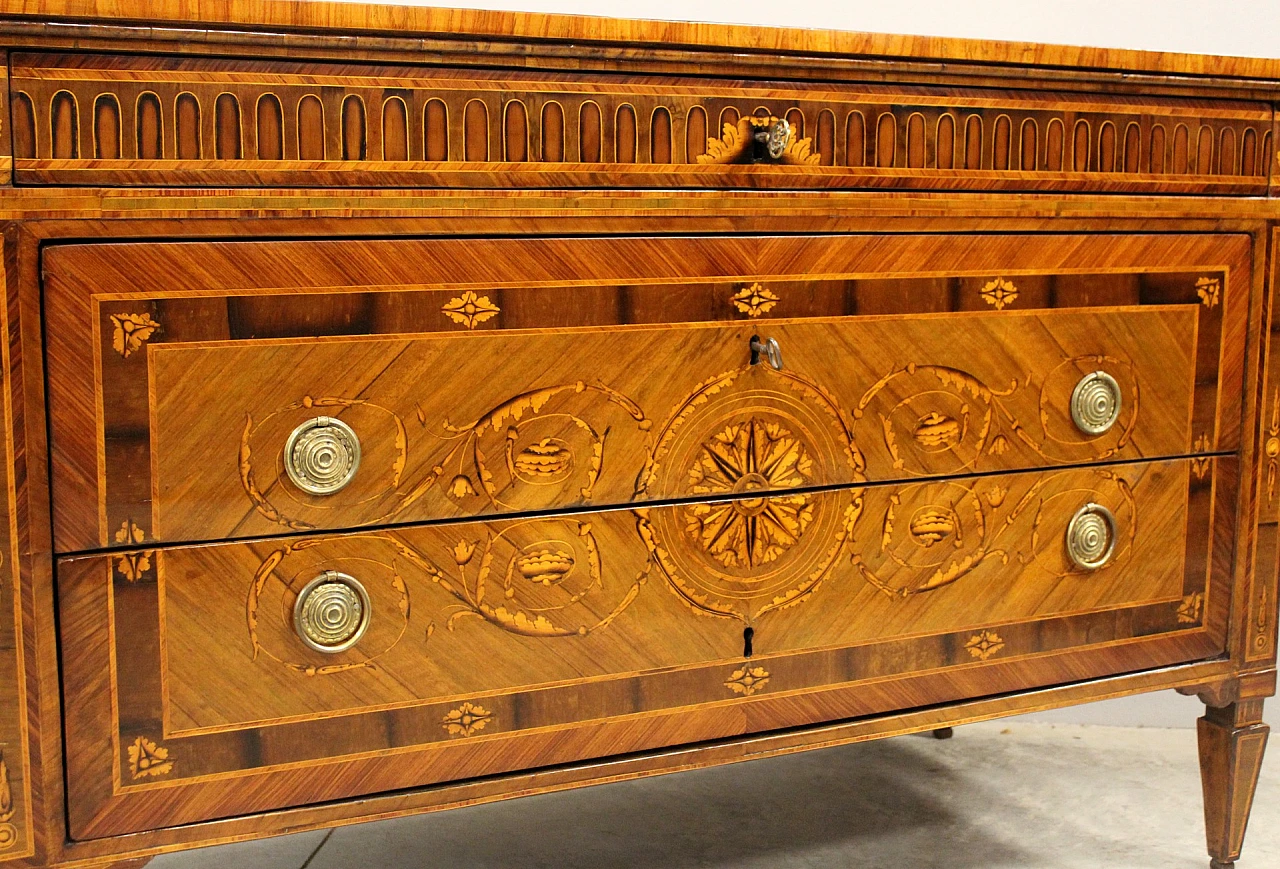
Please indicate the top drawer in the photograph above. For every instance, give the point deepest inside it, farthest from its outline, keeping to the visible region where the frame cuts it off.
(114, 120)
(217, 390)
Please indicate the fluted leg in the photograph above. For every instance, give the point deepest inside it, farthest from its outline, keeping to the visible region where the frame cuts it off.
(1232, 741)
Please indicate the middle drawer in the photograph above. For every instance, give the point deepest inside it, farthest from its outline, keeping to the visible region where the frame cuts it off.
(365, 431)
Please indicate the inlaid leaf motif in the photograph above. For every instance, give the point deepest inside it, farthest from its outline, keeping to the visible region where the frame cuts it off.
(1209, 290)
(984, 645)
(470, 310)
(747, 680)
(999, 293)
(148, 759)
(466, 720)
(755, 300)
(131, 331)
(132, 565)
(1189, 609)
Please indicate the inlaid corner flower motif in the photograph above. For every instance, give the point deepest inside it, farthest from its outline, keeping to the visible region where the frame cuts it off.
(1209, 290)
(132, 565)
(466, 720)
(747, 680)
(984, 645)
(1189, 609)
(755, 300)
(148, 759)
(1200, 463)
(753, 456)
(130, 332)
(999, 293)
(470, 310)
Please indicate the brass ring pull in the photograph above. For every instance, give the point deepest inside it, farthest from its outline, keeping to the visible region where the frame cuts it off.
(769, 348)
(1091, 537)
(331, 613)
(1095, 403)
(322, 455)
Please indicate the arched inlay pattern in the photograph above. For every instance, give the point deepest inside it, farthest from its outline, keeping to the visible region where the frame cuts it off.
(64, 124)
(695, 134)
(1054, 145)
(475, 129)
(589, 128)
(226, 115)
(660, 136)
(945, 148)
(150, 127)
(795, 118)
(855, 135)
(1249, 153)
(270, 129)
(727, 116)
(1132, 148)
(624, 134)
(1000, 143)
(24, 127)
(826, 138)
(1227, 153)
(1204, 151)
(886, 141)
(1181, 150)
(106, 127)
(553, 132)
(187, 134)
(916, 147)
(973, 142)
(515, 133)
(355, 136)
(310, 128)
(1107, 147)
(1030, 140)
(395, 129)
(435, 130)
(1158, 150)
(1080, 139)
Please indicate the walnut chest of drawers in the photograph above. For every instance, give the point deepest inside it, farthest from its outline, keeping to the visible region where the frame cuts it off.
(406, 408)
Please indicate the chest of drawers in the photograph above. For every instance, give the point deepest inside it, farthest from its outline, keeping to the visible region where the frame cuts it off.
(406, 409)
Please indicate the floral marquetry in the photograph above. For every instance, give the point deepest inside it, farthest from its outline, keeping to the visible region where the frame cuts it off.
(1190, 607)
(130, 332)
(747, 680)
(466, 720)
(755, 300)
(999, 293)
(146, 758)
(984, 645)
(1209, 290)
(470, 310)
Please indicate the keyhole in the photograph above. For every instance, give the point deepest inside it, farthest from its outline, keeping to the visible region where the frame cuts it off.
(747, 636)
(756, 344)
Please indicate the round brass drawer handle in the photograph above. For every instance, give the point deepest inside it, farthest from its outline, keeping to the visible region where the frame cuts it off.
(322, 455)
(1095, 403)
(331, 613)
(1091, 537)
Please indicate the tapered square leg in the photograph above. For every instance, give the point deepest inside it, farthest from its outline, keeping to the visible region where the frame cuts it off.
(1232, 741)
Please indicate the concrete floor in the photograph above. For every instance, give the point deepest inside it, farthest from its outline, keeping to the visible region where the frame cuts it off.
(1004, 795)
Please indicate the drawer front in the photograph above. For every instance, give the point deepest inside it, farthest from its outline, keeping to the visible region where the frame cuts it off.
(492, 646)
(196, 410)
(115, 120)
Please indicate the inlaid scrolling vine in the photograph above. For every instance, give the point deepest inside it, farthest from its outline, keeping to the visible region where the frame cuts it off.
(749, 444)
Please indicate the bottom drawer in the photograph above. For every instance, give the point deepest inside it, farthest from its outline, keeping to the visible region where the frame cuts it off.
(195, 688)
